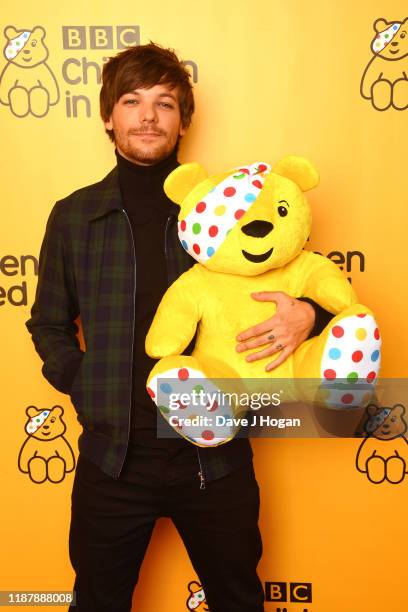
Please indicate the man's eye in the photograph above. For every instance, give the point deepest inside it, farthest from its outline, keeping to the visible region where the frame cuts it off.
(166, 105)
(131, 101)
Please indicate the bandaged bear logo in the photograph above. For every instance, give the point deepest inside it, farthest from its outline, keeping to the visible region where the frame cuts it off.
(196, 599)
(383, 455)
(385, 78)
(46, 454)
(247, 229)
(27, 83)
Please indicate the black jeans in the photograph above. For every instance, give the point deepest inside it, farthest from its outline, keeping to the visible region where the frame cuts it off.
(112, 521)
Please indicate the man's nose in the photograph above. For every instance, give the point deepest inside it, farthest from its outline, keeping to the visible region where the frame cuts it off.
(148, 113)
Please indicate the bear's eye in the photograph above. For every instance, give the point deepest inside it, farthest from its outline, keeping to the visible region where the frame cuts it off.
(282, 211)
(403, 35)
(34, 42)
(393, 419)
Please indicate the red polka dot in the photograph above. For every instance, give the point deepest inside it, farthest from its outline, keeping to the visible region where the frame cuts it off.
(213, 231)
(244, 170)
(182, 225)
(213, 407)
(377, 333)
(196, 249)
(362, 315)
(183, 374)
(181, 405)
(371, 376)
(262, 168)
(207, 434)
(229, 192)
(257, 183)
(176, 422)
(238, 213)
(151, 392)
(201, 206)
(347, 398)
(357, 356)
(329, 374)
(337, 331)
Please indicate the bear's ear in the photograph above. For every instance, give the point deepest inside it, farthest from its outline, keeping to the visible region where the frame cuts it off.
(57, 410)
(39, 32)
(372, 409)
(10, 32)
(398, 409)
(32, 411)
(182, 181)
(380, 25)
(299, 170)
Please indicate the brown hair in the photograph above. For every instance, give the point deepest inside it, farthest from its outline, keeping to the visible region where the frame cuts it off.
(144, 66)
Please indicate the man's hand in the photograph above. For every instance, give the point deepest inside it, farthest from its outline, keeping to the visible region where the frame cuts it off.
(289, 327)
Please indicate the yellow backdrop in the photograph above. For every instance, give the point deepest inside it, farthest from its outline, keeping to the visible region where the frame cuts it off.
(273, 77)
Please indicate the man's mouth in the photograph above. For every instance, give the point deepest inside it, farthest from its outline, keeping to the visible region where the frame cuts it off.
(257, 258)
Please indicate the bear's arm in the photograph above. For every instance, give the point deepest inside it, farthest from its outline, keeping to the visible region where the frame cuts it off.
(50, 83)
(8, 79)
(176, 318)
(324, 283)
(371, 74)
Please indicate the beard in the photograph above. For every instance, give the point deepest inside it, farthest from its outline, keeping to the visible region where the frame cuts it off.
(146, 153)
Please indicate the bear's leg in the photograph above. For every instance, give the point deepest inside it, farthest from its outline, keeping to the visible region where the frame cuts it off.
(18, 101)
(400, 94)
(376, 469)
(37, 468)
(345, 358)
(56, 469)
(39, 101)
(395, 469)
(381, 94)
(190, 402)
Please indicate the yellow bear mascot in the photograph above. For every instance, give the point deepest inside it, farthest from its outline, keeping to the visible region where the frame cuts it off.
(246, 228)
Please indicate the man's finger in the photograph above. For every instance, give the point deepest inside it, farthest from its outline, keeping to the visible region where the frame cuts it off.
(256, 330)
(276, 362)
(267, 338)
(269, 296)
(270, 350)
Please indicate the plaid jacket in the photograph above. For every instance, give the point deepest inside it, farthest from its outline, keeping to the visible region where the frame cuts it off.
(87, 267)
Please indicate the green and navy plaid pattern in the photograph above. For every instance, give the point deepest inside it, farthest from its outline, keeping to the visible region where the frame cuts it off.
(87, 267)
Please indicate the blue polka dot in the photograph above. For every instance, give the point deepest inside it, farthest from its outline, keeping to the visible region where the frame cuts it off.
(334, 353)
(210, 251)
(166, 388)
(250, 197)
(375, 355)
(184, 244)
(395, 27)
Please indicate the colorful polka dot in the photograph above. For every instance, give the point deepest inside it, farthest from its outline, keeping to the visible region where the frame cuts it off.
(166, 388)
(207, 434)
(377, 333)
(362, 315)
(257, 184)
(214, 406)
(357, 356)
(347, 398)
(201, 206)
(361, 333)
(183, 225)
(334, 353)
(196, 228)
(329, 374)
(213, 230)
(352, 377)
(196, 249)
(210, 251)
(262, 168)
(151, 392)
(337, 331)
(229, 192)
(375, 355)
(238, 213)
(184, 245)
(371, 376)
(250, 197)
(220, 210)
(164, 409)
(183, 374)
(198, 388)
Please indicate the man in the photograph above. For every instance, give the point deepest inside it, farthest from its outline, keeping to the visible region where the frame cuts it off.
(109, 252)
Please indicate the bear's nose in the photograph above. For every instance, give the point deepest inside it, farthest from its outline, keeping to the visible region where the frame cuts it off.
(394, 44)
(46, 426)
(257, 228)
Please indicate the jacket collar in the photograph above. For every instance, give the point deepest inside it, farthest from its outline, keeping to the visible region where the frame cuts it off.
(107, 195)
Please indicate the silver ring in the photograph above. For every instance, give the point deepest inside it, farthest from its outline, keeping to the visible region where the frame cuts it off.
(279, 347)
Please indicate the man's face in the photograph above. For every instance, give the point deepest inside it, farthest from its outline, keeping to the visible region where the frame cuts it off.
(146, 124)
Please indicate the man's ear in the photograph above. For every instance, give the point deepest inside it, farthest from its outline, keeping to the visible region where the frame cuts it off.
(299, 170)
(182, 181)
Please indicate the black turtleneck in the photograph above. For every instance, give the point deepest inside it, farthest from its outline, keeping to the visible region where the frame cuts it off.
(148, 209)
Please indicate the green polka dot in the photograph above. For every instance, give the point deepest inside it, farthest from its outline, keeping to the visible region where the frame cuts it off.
(164, 409)
(198, 388)
(196, 228)
(352, 377)
(239, 176)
